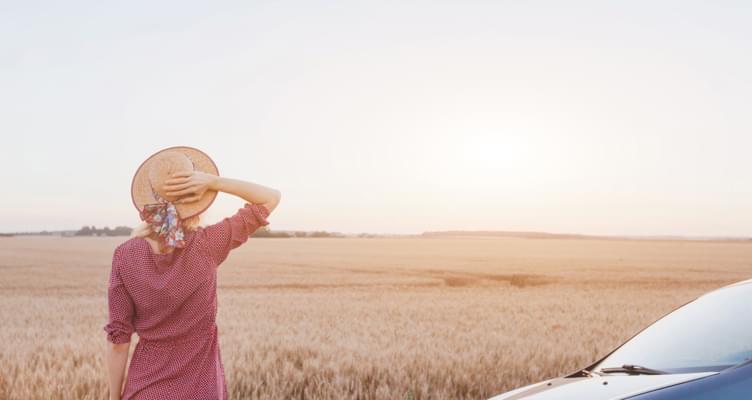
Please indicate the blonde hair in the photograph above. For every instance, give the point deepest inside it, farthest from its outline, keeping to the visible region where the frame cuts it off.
(143, 230)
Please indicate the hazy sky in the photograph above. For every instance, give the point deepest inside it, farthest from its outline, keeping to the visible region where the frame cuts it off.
(613, 117)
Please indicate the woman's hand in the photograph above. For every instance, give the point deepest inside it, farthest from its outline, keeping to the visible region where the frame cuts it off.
(191, 184)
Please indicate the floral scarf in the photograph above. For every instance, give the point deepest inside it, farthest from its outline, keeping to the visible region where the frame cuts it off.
(165, 222)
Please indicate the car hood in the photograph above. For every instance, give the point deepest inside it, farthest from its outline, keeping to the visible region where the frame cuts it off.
(613, 387)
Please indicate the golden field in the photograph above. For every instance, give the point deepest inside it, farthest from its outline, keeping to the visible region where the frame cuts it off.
(388, 318)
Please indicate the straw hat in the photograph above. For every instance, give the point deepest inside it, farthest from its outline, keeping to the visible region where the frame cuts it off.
(146, 187)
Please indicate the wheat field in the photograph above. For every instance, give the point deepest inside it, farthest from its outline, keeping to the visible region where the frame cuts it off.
(386, 318)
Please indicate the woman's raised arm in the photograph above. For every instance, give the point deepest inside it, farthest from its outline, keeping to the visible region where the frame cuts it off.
(194, 184)
(249, 191)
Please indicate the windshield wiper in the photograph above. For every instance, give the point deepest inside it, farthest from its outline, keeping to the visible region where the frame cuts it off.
(586, 373)
(633, 370)
(590, 373)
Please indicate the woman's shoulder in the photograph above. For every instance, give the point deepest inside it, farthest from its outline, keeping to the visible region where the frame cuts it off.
(131, 245)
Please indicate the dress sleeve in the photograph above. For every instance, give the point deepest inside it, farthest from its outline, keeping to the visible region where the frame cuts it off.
(121, 309)
(233, 231)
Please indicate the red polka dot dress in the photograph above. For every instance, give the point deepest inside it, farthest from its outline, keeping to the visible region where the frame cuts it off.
(170, 301)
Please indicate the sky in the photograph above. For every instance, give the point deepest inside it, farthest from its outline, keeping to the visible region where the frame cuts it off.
(596, 117)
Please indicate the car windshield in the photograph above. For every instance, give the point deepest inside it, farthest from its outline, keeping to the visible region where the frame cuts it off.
(711, 333)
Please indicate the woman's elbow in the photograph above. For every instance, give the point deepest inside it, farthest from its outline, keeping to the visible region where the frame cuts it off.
(274, 201)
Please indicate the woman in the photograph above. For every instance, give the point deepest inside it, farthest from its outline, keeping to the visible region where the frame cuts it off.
(163, 282)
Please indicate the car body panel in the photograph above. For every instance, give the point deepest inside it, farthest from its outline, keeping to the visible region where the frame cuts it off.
(612, 387)
(730, 384)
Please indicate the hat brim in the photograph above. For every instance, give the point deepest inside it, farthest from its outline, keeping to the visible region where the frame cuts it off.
(141, 192)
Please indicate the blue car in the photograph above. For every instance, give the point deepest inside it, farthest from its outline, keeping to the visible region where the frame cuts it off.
(700, 351)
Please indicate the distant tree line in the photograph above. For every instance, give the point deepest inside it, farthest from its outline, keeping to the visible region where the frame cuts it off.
(40, 233)
(93, 231)
(265, 232)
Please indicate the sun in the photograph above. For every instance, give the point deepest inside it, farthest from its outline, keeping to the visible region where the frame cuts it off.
(497, 151)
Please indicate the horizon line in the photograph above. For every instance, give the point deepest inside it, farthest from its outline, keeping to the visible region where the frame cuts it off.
(532, 234)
